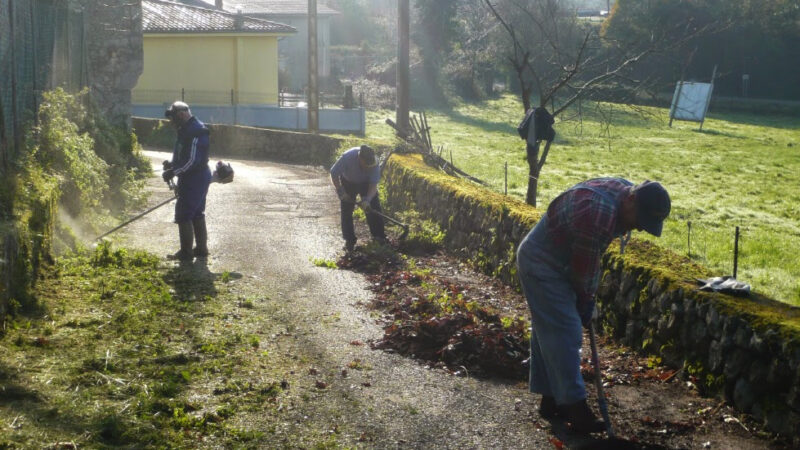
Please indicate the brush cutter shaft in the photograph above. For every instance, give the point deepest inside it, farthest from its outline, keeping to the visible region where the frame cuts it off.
(598, 382)
(136, 218)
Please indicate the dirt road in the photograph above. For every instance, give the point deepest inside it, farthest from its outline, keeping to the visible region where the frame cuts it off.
(265, 228)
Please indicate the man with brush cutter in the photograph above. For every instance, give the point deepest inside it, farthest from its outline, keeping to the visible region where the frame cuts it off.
(559, 267)
(190, 164)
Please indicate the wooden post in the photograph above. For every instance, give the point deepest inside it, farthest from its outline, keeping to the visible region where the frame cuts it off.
(15, 131)
(689, 238)
(313, 71)
(403, 95)
(505, 182)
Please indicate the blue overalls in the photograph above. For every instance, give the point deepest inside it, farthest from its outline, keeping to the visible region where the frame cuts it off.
(556, 330)
(190, 162)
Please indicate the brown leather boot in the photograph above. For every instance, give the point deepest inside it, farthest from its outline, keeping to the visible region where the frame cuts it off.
(581, 418)
(548, 408)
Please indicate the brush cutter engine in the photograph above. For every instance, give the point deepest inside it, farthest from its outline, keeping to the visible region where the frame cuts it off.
(223, 173)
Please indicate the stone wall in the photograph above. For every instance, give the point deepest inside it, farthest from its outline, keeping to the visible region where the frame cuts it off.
(114, 54)
(746, 350)
(248, 142)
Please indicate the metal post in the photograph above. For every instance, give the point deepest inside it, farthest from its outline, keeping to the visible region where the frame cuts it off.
(708, 99)
(403, 94)
(313, 71)
(183, 94)
(736, 253)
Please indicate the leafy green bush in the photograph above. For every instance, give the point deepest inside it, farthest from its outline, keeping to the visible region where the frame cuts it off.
(96, 165)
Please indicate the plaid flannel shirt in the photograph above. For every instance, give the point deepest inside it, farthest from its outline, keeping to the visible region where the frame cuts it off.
(582, 222)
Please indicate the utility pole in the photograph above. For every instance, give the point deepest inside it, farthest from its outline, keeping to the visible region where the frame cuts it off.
(403, 95)
(313, 87)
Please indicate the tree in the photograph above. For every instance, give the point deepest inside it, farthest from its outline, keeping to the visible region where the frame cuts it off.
(470, 67)
(559, 57)
(433, 32)
(761, 39)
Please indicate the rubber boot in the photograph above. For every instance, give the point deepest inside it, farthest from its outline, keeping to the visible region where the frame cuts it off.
(200, 237)
(186, 233)
(581, 418)
(548, 408)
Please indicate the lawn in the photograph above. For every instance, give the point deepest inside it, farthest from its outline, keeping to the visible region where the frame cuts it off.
(740, 170)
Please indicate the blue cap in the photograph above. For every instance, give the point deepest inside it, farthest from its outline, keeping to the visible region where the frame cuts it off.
(652, 206)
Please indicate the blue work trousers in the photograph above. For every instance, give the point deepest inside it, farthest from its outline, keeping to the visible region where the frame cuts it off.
(556, 332)
(192, 191)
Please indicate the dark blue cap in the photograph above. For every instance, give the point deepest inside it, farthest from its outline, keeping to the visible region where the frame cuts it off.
(652, 206)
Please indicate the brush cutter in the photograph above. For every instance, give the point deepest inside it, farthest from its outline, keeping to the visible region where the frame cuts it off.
(223, 174)
(601, 397)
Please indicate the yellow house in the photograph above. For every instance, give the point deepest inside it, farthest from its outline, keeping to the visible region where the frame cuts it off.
(207, 57)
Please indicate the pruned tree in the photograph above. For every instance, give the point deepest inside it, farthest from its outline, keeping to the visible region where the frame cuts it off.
(559, 58)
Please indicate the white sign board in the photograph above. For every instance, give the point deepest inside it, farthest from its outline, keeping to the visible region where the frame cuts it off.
(690, 101)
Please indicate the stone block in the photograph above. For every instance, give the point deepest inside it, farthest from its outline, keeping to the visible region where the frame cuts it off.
(743, 395)
(742, 336)
(715, 357)
(737, 363)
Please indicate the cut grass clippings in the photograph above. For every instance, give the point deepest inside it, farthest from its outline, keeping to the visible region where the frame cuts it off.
(124, 351)
(740, 170)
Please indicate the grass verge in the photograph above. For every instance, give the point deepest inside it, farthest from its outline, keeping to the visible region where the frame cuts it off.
(127, 352)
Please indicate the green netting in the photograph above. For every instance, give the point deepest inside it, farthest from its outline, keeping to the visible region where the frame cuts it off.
(42, 46)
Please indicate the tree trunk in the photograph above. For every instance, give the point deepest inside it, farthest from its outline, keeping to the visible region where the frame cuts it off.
(533, 173)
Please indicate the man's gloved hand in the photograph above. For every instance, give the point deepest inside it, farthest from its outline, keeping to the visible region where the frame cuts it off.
(363, 204)
(587, 312)
(166, 165)
(168, 175)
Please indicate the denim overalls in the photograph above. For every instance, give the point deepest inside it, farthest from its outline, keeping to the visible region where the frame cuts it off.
(556, 333)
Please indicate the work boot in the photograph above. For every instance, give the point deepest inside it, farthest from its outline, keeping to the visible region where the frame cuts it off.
(349, 245)
(581, 418)
(200, 237)
(186, 233)
(548, 408)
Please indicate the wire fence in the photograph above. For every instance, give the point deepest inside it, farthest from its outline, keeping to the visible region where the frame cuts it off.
(42, 46)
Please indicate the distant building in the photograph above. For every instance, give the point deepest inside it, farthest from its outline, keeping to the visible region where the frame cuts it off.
(207, 57)
(294, 49)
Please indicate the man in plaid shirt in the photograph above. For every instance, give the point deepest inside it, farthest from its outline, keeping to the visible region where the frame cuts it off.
(559, 268)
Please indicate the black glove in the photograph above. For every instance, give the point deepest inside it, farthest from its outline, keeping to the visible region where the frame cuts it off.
(364, 205)
(587, 312)
(168, 175)
(166, 165)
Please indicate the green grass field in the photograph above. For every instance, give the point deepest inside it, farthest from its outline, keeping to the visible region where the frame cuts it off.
(740, 170)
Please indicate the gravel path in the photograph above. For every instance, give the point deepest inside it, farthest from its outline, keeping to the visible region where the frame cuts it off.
(264, 230)
(267, 226)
